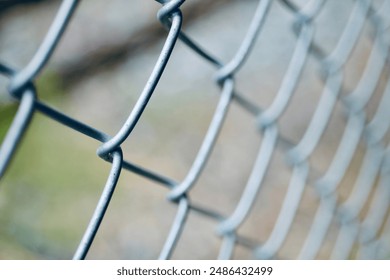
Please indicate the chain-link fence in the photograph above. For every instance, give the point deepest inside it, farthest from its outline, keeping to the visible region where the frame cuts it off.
(349, 180)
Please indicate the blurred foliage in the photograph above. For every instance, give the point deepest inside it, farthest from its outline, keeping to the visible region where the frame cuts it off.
(47, 184)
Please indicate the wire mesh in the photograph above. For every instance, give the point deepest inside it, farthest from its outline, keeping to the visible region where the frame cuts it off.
(366, 234)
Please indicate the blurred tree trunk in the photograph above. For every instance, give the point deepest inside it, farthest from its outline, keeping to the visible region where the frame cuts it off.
(7, 4)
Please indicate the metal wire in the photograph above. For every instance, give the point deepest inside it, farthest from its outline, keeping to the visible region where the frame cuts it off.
(369, 234)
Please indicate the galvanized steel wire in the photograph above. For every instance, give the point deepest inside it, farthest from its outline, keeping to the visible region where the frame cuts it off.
(368, 234)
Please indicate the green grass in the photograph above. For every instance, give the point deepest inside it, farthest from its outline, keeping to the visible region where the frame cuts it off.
(51, 187)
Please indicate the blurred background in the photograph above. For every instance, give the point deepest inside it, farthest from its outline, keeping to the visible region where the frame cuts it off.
(96, 75)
